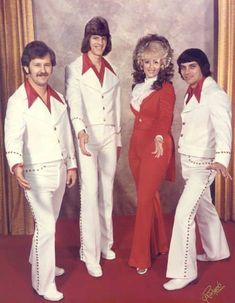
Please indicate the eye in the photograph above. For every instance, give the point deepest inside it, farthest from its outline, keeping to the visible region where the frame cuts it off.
(146, 61)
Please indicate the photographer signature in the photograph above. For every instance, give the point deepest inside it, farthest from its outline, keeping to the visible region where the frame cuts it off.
(210, 292)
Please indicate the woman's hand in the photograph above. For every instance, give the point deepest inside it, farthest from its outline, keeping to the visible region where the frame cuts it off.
(158, 152)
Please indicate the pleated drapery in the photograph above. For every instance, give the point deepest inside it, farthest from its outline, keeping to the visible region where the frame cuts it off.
(224, 188)
(16, 30)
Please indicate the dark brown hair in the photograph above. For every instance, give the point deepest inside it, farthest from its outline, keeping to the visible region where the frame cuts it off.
(96, 26)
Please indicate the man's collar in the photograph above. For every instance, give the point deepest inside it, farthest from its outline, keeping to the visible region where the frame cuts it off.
(32, 95)
(195, 91)
(87, 64)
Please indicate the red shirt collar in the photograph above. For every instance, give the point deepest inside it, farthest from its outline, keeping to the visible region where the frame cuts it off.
(195, 91)
(87, 64)
(32, 95)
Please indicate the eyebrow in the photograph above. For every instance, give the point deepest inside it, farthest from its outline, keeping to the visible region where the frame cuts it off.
(191, 64)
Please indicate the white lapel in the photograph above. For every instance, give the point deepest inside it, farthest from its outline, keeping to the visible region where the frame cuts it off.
(191, 105)
(57, 109)
(39, 111)
(90, 79)
(110, 80)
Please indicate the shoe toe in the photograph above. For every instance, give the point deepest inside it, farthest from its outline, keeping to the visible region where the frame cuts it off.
(175, 284)
(110, 255)
(59, 271)
(94, 270)
(52, 294)
(141, 271)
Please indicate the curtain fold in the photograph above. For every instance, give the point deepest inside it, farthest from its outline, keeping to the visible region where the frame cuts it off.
(224, 188)
(16, 30)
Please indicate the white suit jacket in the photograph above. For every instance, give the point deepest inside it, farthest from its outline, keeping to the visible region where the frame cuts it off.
(90, 103)
(206, 125)
(34, 135)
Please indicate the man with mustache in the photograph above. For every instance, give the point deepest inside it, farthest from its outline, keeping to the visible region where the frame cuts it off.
(40, 153)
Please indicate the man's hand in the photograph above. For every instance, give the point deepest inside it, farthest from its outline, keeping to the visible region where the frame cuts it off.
(71, 178)
(220, 169)
(19, 174)
(83, 140)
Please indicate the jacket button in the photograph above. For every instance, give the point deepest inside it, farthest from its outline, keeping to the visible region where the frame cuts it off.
(104, 120)
(140, 120)
(183, 123)
(102, 97)
(181, 135)
(54, 128)
(103, 108)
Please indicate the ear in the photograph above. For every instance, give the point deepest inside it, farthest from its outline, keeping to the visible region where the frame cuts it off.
(26, 69)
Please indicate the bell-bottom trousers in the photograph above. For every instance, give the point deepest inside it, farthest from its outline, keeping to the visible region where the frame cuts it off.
(96, 181)
(148, 172)
(47, 181)
(195, 203)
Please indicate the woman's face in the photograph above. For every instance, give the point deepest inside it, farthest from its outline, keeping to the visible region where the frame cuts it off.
(151, 64)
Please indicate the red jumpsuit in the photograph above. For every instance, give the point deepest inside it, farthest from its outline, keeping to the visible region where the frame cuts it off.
(154, 118)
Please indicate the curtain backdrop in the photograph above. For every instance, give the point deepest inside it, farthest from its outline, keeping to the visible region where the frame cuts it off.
(16, 30)
(224, 189)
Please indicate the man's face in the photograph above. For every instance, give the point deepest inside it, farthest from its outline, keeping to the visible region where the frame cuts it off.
(39, 71)
(98, 44)
(191, 73)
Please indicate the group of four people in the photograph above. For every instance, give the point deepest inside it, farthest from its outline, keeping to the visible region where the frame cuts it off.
(41, 155)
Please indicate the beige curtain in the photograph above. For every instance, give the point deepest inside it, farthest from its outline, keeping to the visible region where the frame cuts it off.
(224, 189)
(16, 30)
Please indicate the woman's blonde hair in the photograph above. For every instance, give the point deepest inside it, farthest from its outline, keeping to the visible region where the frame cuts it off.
(160, 46)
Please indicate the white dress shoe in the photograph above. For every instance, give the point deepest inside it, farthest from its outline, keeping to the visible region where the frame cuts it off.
(204, 258)
(141, 271)
(110, 255)
(94, 270)
(174, 284)
(52, 294)
(59, 271)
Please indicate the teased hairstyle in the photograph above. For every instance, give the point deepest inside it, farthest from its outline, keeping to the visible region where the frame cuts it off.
(161, 46)
(195, 54)
(36, 49)
(96, 26)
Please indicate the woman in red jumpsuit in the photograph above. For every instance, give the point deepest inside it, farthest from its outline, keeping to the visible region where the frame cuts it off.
(151, 151)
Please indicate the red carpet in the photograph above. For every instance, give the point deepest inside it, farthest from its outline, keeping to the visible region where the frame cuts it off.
(120, 283)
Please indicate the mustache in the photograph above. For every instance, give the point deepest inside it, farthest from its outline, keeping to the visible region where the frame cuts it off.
(42, 74)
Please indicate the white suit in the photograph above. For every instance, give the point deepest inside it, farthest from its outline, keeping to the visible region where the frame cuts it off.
(205, 138)
(96, 109)
(42, 141)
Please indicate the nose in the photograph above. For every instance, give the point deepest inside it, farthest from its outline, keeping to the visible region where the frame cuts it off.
(43, 69)
(186, 70)
(100, 40)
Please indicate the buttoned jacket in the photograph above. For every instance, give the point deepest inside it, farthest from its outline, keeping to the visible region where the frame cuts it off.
(34, 135)
(156, 111)
(206, 125)
(90, 102)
